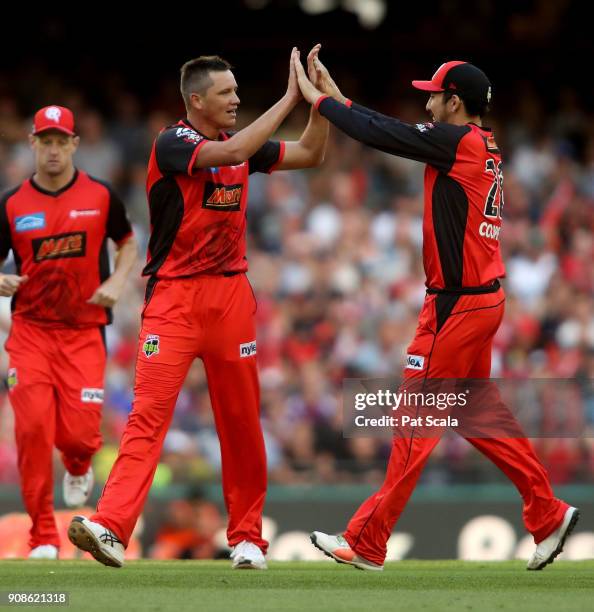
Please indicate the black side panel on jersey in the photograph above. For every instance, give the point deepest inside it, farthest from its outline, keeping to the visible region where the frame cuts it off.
(265, 157)
(444, 304)
(5, 237)
(166, 205)
(450, 213)
(18, 262)
(435, 144)
(150, 289)
(103, 339)
(117, 226)
(104, 273)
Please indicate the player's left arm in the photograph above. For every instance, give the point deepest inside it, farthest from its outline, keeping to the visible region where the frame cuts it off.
(435, 144)
(118, 228)
(108, 293)
(9, 283)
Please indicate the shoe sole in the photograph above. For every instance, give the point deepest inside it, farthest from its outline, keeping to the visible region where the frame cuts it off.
(85, 539)
(356, 565)
(248, 565)
(570, 527)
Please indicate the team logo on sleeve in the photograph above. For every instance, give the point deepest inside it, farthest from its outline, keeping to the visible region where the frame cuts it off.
(226, 198)
(11, 378)
(424, 127)
(414, 362)
(59, 246)
(248, 349)
(151, 346)
(188, 135)
(26, 223)
(91, 396)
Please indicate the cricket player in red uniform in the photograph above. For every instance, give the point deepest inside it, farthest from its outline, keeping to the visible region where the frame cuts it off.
(199, 303)
(464, 303)
(57, 224)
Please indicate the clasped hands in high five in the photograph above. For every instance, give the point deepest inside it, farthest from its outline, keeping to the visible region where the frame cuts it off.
(319, 82)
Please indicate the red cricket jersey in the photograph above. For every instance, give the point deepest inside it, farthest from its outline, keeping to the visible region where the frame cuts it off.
(59, 241)
(463, 190)
(198, 215)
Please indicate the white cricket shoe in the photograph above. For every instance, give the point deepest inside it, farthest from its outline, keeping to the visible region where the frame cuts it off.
(550, 547)
(248, 556)
(93, 538)
(337, 548)
(77, 489)
(45, 551)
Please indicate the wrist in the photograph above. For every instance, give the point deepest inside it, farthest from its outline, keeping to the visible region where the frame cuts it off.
(117, 279)
(292, 99)
(319, 100)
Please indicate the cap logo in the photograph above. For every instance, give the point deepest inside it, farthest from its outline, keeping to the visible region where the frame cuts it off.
(489, 95)
(53, 113)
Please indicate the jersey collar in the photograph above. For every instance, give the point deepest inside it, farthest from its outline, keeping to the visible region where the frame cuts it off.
(480, 127)
(55, 194)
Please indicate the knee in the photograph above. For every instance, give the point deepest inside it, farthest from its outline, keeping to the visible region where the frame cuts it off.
(33, 432)
(79, 446)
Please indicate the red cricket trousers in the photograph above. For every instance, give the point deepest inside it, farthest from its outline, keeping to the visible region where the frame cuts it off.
(453, 340)
(56, 390)
(210, 317)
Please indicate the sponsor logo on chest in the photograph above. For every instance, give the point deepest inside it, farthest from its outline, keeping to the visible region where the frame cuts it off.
(85, 212)
(247, 349)
(226, 198)
(59, 246)
(32, 221)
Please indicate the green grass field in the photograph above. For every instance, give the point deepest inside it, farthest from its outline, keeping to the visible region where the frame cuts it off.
(405, 585)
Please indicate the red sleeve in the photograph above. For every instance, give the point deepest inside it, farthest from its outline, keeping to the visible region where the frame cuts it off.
(191, 168)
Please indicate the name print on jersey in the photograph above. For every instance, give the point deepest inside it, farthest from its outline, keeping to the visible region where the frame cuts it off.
(222, 197)
(59, 246)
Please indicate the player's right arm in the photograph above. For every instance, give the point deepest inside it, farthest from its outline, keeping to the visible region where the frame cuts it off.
(9, 283)
(242, 145)
(183, 149)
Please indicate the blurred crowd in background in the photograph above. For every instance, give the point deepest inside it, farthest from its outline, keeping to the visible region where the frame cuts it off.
(335, 252)
(335, 260)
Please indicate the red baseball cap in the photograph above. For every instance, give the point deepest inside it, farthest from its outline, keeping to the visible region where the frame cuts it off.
(461, 78)
(54, 118)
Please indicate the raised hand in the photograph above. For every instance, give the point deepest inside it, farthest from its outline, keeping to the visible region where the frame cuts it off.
(312, 73)
(324, 81)
(310, 93)
(293, 90)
